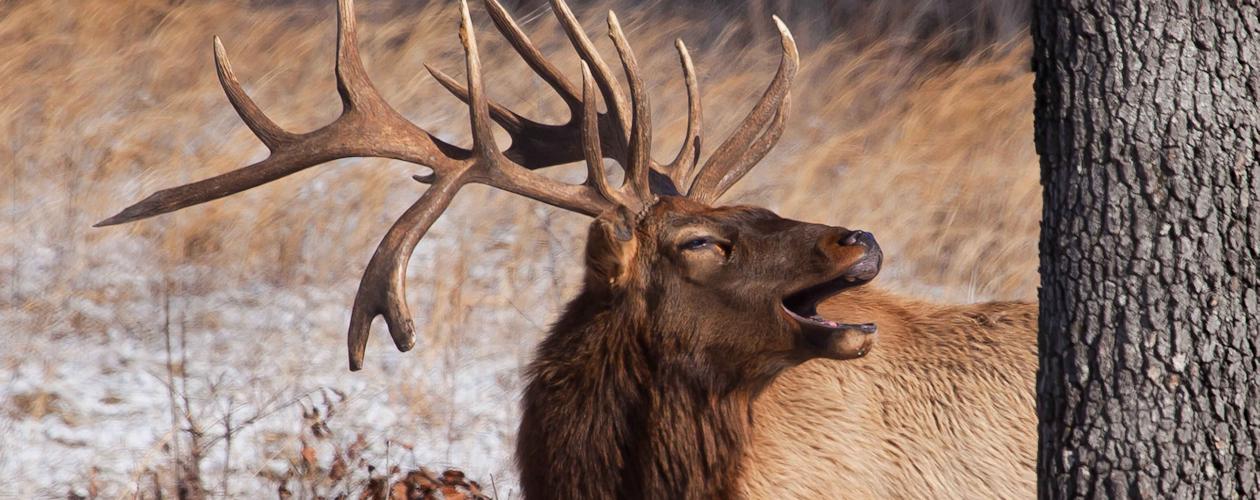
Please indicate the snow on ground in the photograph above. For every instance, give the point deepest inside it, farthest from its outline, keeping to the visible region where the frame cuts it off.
(86, 384)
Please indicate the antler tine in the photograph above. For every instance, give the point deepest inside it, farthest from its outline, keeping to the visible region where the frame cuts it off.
(479, 112)
(639, 156)
(532, 56)
(763, 144)
(266, 130)
(383, 289)
(353, 84)
(735, 157)
(681, 168)
(608, 85)
(512, 122)
(596, 175)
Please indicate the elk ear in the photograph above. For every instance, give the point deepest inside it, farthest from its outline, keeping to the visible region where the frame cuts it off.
(610, 248)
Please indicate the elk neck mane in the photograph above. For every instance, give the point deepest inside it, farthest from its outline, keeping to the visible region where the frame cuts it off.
(623, 413)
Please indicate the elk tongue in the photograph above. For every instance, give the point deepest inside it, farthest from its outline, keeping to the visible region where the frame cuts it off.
(818, 318)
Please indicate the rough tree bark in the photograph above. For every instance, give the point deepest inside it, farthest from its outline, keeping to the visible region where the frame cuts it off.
(1148, 126)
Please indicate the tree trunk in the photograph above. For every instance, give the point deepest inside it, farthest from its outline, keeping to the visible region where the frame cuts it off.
(1148, 126)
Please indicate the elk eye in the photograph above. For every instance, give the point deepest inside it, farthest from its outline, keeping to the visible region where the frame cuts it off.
(697, 243)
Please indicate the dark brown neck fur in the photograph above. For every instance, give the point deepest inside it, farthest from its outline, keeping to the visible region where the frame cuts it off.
(613, 411)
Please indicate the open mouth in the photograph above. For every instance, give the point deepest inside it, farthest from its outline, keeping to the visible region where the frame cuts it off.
(802, 305)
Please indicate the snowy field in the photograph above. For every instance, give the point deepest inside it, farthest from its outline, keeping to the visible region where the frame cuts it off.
(253, 358)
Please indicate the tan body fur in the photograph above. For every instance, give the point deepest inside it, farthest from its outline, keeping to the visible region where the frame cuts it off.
(943, 407)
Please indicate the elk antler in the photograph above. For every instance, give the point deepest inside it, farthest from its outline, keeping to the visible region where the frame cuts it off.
(745, 146)
(369, 127)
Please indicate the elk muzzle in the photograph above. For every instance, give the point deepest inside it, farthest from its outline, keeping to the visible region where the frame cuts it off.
(856, 253)
(855, 258)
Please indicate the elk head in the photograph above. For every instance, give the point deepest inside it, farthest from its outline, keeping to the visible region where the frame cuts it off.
(656, 240)
(735, 288)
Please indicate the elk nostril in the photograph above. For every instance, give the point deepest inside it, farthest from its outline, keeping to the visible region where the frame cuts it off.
(854, 238)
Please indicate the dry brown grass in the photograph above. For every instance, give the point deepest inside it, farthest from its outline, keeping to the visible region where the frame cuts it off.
(104, 102)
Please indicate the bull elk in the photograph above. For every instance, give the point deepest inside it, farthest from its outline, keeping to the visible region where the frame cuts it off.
(658, 381)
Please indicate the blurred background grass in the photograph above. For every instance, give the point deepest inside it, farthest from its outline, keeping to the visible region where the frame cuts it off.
(911, 119)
